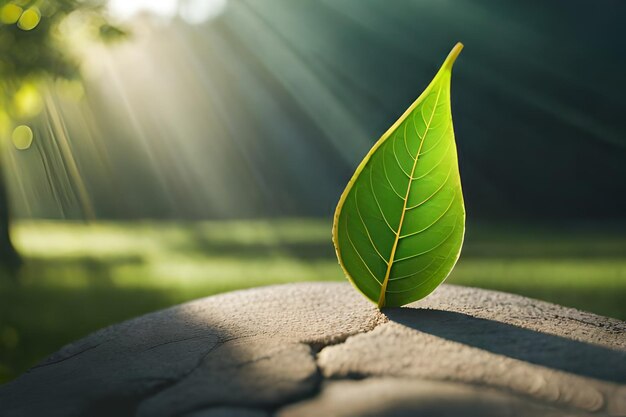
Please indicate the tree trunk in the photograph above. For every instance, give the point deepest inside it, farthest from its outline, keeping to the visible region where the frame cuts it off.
(9, 258)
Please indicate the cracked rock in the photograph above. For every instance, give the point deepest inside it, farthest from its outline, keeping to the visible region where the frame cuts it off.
(247, 372)
(322, 349)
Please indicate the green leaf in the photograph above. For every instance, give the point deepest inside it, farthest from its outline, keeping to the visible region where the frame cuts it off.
(400, 222)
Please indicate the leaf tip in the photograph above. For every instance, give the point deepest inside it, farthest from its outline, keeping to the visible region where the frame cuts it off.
(453, 55)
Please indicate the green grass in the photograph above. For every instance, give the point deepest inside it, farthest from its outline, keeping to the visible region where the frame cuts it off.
(78, 278)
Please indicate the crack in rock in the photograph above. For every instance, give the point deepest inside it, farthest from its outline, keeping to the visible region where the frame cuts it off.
(318, 345)
(51, 361)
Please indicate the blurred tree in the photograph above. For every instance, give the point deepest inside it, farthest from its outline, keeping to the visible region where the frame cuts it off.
(8, 255)
(34, 48)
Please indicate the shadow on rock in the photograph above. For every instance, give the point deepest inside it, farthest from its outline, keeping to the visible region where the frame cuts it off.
(246, 349)
(527, 345)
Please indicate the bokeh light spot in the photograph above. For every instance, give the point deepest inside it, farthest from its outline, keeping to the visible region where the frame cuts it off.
(27, 101)
(22, 137)
(10, 13)
(29, 19)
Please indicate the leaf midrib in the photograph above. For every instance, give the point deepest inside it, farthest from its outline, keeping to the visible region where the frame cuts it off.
(383, 289)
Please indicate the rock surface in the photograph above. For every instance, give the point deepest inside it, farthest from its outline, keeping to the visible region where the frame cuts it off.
(321, 349)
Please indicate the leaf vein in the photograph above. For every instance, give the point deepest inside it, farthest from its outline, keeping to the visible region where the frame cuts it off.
(438, 140)
(358, 253)
(414, 273)
(434, 193)
(426, 280)
(445, 154)
(378, 204)
(416, 129)
(429, 250)
(387, 175)
(381, 299)
(406, 146)
(433, 223)
(393, 150)
(358, 210)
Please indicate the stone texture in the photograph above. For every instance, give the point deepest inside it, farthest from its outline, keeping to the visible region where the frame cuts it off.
(399, 397)
(322, 349)
(540, 350)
